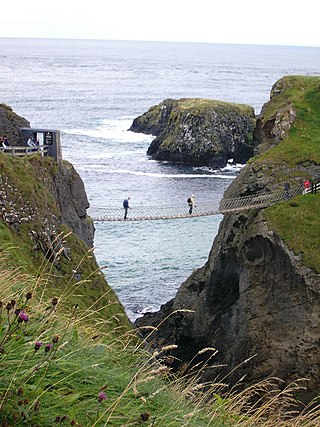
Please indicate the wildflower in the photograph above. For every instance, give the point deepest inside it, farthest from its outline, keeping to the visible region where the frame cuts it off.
(145, 416)
(37, 345)
(1, 304)
(28, 295)
(20, 391)
(54, 301)
(102, 396)
(23, 317)
(55, 338)
(17, 311)
(8, 306)
(48, 347)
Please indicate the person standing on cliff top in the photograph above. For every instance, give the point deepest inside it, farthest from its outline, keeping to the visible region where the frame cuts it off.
(126, 207)
(306, 186)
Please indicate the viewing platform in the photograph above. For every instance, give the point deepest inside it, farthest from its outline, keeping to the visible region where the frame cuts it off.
(44, 141)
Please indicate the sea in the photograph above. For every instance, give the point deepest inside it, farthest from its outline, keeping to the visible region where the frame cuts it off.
(91, 90)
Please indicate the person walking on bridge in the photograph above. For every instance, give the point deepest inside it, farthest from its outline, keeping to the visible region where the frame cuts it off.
(126, 207)
(191, 203)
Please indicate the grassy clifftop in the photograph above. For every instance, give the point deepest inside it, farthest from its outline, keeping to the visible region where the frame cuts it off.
(298, 156)
(301, 145)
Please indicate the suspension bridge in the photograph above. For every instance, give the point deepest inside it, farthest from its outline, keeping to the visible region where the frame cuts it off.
(144, 213)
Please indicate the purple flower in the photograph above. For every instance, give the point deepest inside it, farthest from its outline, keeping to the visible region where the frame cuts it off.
(23, 317)
(102, 396)
(48, 347)
(37, 345)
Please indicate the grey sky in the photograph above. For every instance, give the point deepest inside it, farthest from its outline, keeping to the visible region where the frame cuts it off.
(280, 22)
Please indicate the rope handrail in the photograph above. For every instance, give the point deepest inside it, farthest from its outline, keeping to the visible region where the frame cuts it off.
(141, 213)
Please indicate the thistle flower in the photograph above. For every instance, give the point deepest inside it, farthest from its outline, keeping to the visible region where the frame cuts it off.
(23, 317)
(13, 302)
(145, 416)
(28, 295)
(48, 347)
(55, 338)
(37, 345)
(102, 396)
(17, 311)
(8, 306)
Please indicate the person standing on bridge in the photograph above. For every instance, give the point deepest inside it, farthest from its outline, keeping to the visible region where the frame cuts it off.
(191, 203)
(126, 207)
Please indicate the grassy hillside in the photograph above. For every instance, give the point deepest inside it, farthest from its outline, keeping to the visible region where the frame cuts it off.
(64, 366)
(302, 146)
(38, 243)
(297, 157)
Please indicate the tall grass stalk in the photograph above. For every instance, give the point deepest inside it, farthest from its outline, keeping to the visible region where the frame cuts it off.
(64, 365)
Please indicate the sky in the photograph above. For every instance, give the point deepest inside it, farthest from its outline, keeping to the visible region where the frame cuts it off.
(272, 22)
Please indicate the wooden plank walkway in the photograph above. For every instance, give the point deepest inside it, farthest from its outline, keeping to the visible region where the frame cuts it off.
(147, 213)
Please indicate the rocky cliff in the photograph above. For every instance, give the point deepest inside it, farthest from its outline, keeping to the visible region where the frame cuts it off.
(10, 124)
(45, 229)
(257, 298)
(199, 132)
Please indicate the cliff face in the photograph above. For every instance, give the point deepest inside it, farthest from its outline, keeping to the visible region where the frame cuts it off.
(69, 193)
(10, 124)
(256, 300)
(62, 181)
(198, 131)
(45, 229)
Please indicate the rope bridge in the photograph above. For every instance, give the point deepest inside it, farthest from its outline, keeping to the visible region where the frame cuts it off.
(143, 213)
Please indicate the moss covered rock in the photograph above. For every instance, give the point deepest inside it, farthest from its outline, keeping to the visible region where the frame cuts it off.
(199, 132)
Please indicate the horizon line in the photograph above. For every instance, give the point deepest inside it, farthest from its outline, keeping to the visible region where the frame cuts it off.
(156, 41)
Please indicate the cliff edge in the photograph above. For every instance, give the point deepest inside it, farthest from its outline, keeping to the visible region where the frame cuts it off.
(257, 298)
(45, 229)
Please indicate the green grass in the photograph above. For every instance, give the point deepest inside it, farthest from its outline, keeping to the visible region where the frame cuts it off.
(42, 245)
(198, 104)
(63, 385)
(297, 222)
(302, 146)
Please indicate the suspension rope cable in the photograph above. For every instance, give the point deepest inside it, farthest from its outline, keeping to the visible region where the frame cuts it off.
(144, 213)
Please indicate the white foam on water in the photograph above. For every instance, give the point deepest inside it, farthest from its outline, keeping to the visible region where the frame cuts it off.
(114, 129)
(162, 175)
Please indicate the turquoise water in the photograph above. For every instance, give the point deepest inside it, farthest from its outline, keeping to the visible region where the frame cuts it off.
(152, 258)
(92, 91)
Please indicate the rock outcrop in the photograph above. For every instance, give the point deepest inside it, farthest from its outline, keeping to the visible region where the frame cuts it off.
(255, 300)
(61, 180)
(45, 230)
(68, 190)
(10, 124)
(199, 132)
